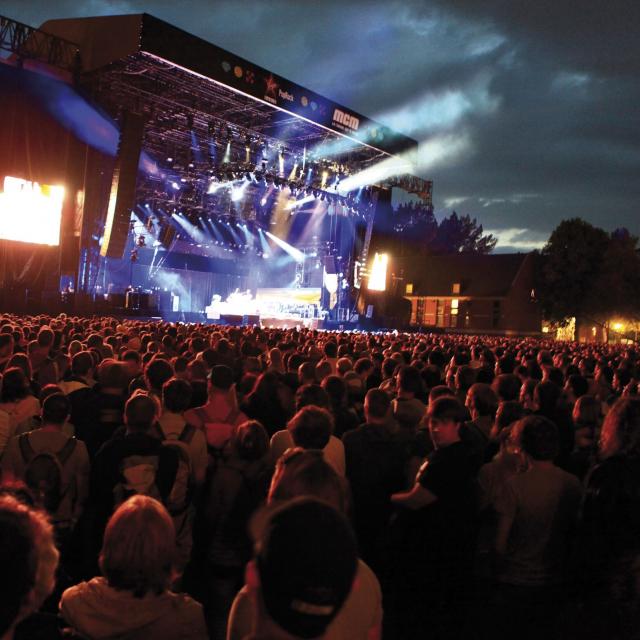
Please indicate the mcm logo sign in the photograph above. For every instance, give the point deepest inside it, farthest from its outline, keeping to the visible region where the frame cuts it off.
(346, 120)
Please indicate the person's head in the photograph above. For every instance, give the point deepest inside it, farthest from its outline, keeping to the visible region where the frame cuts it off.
(465, 377)
(621, 429)
(311, 394)
(140, 412)
(311, 427)
(537, 437)
(304, 472)
(45, 338)
(303, 570)
(336, 389)
(343, 365)
(21, 360)
(481, 401)
(330, 349)
(250, 441)
(156, 373)
(377, 406)
(28, 557)
(55, 409)
(15, 385)
(220, 379)
(138, 552)
(176, 395)
(307, 373)
(527, 391)
(445, 417)
(506, 415)
(576, 387)
(82, 364)
(132, 362)
(112, 375)
(440, 391)
(507, 386)
(545, 398)
(409, 382)
(6, 345)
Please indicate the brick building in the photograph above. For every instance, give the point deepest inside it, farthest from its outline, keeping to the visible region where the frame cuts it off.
(489, 294)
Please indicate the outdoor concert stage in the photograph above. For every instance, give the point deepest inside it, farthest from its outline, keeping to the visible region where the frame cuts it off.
(201, 184)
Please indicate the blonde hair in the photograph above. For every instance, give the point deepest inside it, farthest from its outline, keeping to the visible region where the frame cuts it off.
(139, 547)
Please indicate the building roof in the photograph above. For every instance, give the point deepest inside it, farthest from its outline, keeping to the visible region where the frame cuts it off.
(481, 276)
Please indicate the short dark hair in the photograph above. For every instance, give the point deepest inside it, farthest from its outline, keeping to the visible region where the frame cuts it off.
(447, 408)
(507, 386)
(409, 380)
(378, 403)
(221, 377)
(157, 372)
(484, 399)
(538, 437)
(176, 395)
(81, 363)
(55, 408)
(311, 428)
(311, 394)
(140, 411)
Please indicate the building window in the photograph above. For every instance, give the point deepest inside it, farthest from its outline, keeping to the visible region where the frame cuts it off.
(420, 311)
(409, 288)
(439, 313)
(495, 320)
(455, 289)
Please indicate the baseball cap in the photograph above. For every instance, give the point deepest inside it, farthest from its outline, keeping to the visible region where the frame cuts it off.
(306, 557)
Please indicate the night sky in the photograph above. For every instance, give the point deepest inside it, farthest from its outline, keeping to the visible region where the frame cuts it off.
(529, 111)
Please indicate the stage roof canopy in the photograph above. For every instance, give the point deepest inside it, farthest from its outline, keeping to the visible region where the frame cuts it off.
(139, 61)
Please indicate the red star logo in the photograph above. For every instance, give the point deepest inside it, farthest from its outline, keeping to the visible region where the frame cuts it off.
(271, 86)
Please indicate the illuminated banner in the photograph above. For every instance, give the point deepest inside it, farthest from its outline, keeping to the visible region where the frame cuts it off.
(30, 212)
(181, 48)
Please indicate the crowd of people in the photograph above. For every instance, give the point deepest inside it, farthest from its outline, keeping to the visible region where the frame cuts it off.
(180, 481)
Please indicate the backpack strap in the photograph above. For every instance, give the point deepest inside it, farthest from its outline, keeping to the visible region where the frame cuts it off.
(187, 433)
(67, 451)
(202, 414)
(25, 448)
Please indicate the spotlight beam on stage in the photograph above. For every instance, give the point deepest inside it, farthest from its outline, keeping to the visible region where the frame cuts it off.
(296, 254)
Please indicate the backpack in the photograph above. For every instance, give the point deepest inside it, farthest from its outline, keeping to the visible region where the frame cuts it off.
(218, 433)
(43, 472)
(138, 477)
(181, 493)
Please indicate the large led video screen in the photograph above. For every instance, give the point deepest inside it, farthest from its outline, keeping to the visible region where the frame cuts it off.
(30, 211)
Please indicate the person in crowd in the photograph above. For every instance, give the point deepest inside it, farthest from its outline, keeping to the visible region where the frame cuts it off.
(408, 409)
(236, 489)
(537, 515)
(18, 407)
(268, 402)
(353, 610)
(53, 465)
(132, 598)
(311, 428)
(610, 528)
(29, 559)
(376, 464)
(218, 417)
(432, 567)
(344, 417)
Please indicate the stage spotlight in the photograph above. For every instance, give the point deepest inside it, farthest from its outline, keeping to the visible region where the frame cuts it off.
(175, 185)
(325, 176)
(227, 153)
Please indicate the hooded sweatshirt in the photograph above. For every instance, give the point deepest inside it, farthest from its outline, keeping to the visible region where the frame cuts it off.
(99, 612)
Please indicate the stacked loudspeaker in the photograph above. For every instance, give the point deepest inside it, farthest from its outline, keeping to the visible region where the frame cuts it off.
(123, 186)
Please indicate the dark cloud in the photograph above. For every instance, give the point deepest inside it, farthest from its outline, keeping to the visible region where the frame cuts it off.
(539, 99)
